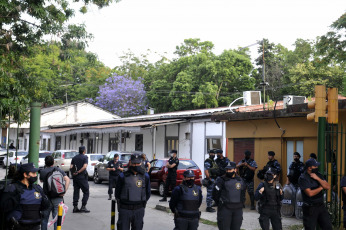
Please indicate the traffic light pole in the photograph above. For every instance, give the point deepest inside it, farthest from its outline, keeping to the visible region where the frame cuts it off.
(34, 139)
(322, 121)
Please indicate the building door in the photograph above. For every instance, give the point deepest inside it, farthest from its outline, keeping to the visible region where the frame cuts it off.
(113, 144)
(240, 146)
(171, 143)
(58, 143)
(291, 147)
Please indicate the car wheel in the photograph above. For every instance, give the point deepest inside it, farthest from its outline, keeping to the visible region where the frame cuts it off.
(161, 189)
(96, 178)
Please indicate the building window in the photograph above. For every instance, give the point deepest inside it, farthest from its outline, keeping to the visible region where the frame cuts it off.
(171, 143)
(73, 137)
(213, 143)
(139, 142)
(113, 144)
(291, 147)
(44, 144)
(58, 143)
(240, 146)
(90, 147)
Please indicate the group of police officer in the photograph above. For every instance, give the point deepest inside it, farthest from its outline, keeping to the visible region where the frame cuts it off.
(226, 184)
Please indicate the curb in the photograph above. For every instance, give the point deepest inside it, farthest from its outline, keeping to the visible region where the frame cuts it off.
(162, 208)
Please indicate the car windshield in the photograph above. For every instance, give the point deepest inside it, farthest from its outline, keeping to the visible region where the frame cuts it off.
(187, 164)
(43, 155)
(95, 157)
(125, 157)
(70, 155)
(21, 153)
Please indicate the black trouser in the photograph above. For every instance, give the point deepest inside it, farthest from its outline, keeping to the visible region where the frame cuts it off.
(27, 227)
(186, 223)
(316, 214)
(111, 184)
(229, 219)
(344, 218)
(130, 218)
(171, 180)
(80, 183)
(271, 213)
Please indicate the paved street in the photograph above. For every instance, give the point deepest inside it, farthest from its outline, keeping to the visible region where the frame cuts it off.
(100, 206)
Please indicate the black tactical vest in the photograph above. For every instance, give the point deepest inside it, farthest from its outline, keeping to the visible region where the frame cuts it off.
(271, 195)
(231, 193)
(214, 169)
(188, 205)
(133, 190)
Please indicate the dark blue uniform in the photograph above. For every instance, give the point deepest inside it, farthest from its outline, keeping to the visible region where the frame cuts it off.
(295, 170)
(80, 181)
(342, 185)
(24, 204)
(269, 205)
(133, 191)
(185, 203)
(113, 175)
(211, 166)
(314, 210)
(247, 175)
(228, 194)
(171, 179)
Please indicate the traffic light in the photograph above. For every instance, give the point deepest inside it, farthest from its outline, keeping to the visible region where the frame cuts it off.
(333, 106)
(320, 104)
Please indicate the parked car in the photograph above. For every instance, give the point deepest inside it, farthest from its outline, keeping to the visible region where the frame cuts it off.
(3, 153)
(100, 171)
(12, 159)
(158, 173)
(41, 156)
(62, 159)
(93, 159)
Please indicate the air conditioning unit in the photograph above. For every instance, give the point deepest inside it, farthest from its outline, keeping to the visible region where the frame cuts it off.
(292, 100)
(252, 98)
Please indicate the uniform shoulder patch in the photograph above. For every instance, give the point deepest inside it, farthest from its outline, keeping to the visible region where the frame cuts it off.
(37, 195)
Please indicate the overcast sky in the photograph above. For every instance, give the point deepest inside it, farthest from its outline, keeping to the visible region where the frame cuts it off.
(160, 25)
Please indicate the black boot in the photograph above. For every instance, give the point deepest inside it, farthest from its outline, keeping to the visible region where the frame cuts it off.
(110, 197)
(252, 199)
(75, 209)
(84, 209)
(163, 199)
(210, 209)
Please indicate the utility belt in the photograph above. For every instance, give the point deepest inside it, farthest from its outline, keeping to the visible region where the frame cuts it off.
(307, 205)
(187, 216)
(131, 206)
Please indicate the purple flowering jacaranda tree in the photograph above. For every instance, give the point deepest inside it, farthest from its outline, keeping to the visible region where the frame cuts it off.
(122, 96)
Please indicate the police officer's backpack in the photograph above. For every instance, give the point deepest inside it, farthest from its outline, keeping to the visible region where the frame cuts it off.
(55, 183)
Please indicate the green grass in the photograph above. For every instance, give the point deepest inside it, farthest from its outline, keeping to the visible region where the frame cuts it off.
(208, 222)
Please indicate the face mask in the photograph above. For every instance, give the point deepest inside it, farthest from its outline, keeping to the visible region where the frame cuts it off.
(212, 157)
(138, 169)
(247, 157)
(268, 177)
(314, 170)
(296, 159)
(32, 180)
(218, 156)
(189, 183)
(230, 174)
(172, 155)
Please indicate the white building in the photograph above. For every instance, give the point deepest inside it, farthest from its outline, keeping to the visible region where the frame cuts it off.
(192, 133)
(66, 114)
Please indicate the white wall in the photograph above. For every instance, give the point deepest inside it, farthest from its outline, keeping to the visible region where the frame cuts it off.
(198, 144)
(148, 143)
(160, 142)
(184, 144)
(172, 130)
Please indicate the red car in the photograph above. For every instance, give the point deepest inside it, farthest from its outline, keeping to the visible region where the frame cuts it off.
(158, 172)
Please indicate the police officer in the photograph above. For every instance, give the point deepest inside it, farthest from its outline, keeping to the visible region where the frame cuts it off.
(185, 202)
(171, 179)
(296, 168)
(270, 195)
(145, 163)
(313, 156)
(221, 162)
(23, 200)
(311, 183)
(272, 163)
(211, 172)
(228, 193)
(115, 167)
(79, 164)
(247, 168)
(132, 192)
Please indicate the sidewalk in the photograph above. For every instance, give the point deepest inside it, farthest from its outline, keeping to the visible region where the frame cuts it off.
(250, 217)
